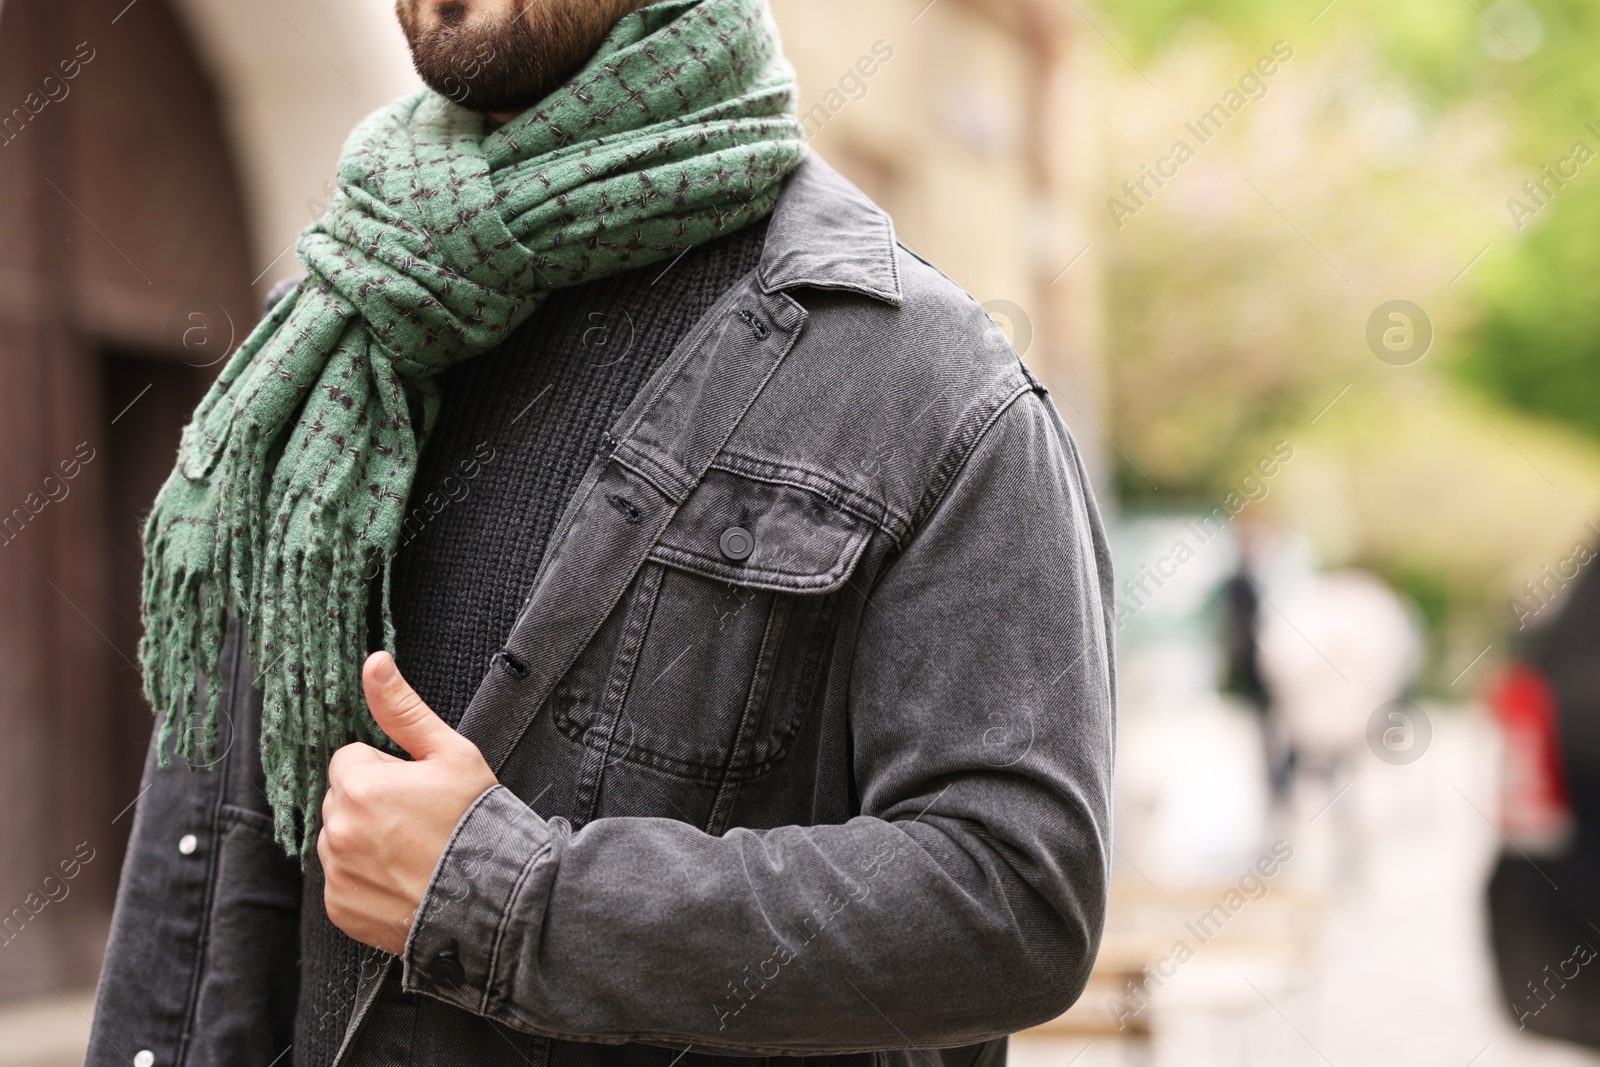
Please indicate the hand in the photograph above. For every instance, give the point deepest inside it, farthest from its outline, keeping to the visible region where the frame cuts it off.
(385, 821)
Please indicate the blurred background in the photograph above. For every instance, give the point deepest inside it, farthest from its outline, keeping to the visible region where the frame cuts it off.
(1315, 285)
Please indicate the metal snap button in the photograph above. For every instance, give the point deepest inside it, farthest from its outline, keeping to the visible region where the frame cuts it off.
(446, 969)
(144, 1058)
(187, 844)
(738, 543)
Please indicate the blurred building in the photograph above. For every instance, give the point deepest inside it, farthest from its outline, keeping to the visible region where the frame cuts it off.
(158, 158)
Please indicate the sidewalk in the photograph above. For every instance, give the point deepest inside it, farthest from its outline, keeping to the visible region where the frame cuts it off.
(1401, 975)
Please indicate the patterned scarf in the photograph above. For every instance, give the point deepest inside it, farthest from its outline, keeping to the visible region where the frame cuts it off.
(292, 477)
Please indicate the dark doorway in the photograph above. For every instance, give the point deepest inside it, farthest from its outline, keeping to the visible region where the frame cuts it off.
(147, 402)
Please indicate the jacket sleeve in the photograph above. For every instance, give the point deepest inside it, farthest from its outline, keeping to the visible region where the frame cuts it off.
(201, 967)
(965, 902)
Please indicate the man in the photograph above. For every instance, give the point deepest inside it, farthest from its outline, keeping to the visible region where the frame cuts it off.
(752, 611)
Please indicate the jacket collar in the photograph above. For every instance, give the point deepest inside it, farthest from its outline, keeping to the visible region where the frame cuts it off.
(826, 234)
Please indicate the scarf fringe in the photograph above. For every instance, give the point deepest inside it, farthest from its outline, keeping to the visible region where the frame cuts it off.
(309, 626)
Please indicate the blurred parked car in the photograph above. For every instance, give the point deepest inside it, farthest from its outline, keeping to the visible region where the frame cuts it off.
(1544, 895)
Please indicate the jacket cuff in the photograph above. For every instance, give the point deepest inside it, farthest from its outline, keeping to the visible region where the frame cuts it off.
(452, 952)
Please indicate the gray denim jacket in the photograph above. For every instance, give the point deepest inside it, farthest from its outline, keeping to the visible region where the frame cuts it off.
(836, 785)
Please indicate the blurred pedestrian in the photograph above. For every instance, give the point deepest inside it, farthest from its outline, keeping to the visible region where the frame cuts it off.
(1242, 677)
(1336, 649)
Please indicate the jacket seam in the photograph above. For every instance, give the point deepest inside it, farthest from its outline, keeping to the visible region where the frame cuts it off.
(803, 581)
(506, 913)
(213, 860)
(429, 909)
(799, 476)
(682, 770)
(968, 437)
(638, 605)
(756, 698)
(699, 335)
(669, 483)
(250, 820)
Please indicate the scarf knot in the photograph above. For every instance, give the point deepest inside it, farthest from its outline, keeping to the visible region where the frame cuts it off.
(292, 478)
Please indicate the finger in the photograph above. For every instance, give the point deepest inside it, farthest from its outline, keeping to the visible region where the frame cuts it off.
(360, 751)
(401, 713)
(355, 753)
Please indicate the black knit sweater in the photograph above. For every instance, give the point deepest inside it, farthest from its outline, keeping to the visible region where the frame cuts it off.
(518, 427)
(537, 405)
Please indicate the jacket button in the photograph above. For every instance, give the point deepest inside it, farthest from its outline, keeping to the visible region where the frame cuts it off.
(446, 970)
(144, 1058)
(187, 844)
(738, 543)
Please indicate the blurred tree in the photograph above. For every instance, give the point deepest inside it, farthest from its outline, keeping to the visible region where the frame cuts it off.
(1378, 164)
(1538, 344)
(1536, 339)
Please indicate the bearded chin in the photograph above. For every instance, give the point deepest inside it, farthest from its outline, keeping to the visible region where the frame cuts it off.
(512, 65)
(498, 69)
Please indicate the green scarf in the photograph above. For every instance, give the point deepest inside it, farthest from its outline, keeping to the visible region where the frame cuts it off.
(292, 477)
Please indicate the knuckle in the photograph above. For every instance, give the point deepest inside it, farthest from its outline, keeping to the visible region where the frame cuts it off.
(340, 763)
(337, 832)
(357, 791)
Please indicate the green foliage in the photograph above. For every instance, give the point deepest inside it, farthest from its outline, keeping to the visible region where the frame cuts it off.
(1538, 346)
(1536, 342)
(1434, 46)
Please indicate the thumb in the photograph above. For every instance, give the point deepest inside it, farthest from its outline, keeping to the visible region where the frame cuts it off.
(401, 713)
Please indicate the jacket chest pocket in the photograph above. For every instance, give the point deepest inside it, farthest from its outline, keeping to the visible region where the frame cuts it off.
(720, 643)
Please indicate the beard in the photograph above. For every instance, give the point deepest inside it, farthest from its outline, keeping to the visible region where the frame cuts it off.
(512, 62)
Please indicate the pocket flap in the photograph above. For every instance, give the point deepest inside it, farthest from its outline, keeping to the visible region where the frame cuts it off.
(797, 540)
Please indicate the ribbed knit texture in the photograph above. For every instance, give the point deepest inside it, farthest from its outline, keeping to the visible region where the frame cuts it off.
(539, 405)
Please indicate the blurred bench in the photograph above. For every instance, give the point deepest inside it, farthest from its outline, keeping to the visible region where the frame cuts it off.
(1279, 931)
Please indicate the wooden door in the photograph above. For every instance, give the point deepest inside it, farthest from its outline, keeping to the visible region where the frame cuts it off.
(120, 221)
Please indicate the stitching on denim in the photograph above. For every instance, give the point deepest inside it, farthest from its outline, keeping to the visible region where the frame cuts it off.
(517, 885)
(638, 617)
(757, 699)
(893, 296)
(835, 286)
(845, 497)
(753, 321)
(208, 896)
(894, 252)
(687, 349)
(674, 484)
(430, 904)
(969, 434)
(234, 815)
(804, 581)
(676, 769)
